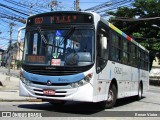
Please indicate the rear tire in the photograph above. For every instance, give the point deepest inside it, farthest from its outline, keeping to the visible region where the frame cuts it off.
(111, 100)
(140, 92)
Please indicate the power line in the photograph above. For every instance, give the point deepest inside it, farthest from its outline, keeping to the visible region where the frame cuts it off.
(19, 5)
(7, 39)
(6, 11)
(99, 6)
(133, 19)
(13, 18)
(26, 6)
(13, 9)
(115, 7)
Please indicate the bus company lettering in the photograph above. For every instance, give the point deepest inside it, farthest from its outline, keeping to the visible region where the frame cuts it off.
(63, 80)
(34, 78)
(117, 70)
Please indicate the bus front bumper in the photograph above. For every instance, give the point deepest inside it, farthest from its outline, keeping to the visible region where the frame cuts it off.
(83, 93)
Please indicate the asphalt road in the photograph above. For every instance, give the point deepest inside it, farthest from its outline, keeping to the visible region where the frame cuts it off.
(127, 107)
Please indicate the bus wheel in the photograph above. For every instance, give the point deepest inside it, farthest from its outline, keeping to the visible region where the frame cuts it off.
(112, 97)
(140, 92)
(57, 103)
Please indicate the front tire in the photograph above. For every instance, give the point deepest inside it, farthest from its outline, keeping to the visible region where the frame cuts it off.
(111, 100)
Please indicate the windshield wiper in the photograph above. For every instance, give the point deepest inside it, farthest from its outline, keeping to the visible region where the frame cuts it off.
(67, 35)
(42, 36)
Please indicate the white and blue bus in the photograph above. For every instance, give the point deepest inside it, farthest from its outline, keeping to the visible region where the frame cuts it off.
(78, 56)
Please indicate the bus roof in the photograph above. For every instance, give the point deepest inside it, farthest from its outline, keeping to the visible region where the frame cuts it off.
(124, 35)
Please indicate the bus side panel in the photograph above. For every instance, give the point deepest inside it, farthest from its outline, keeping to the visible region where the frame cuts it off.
(144, 76)
(118, 70)
(134, 81)
(126, 74)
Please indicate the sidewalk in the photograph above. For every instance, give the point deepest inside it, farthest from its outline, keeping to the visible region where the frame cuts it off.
(9, 90)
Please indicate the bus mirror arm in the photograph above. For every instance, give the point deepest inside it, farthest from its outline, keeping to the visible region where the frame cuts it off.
(19, 46)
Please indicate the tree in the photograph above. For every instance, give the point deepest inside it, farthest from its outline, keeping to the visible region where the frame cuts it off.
(138, 21)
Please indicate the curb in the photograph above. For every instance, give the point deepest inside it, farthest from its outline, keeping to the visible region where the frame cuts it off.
(20, 100)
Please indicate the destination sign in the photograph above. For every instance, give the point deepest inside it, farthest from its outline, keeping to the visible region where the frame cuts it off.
(50, 19)
(35, 59)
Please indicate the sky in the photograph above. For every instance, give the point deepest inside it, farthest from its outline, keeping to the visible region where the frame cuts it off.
(39, 6)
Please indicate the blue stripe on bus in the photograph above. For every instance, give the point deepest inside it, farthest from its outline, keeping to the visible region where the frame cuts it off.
(54, 79)
(124, 35)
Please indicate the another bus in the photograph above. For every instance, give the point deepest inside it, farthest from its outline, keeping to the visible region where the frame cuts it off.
(79, 56)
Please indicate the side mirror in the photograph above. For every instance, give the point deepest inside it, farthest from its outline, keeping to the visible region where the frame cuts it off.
(103, 41)
(20, 30)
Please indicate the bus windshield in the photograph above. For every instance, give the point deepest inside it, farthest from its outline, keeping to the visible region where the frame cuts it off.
(59, 47)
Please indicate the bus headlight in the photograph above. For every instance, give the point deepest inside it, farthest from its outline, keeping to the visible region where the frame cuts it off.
(88, 77)
(24, 80)
(82, 82)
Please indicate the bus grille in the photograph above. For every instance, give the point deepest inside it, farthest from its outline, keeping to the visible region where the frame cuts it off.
(52, 73)
(53, 84)
(55, 71)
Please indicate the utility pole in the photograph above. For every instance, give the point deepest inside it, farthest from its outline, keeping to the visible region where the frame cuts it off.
(74, 5)
(31, 6)
(9, 49)
(77, 5)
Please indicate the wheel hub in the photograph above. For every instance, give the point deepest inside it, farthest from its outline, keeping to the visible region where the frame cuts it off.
(110, 96)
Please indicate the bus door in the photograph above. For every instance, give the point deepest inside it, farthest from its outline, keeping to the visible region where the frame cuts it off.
(101, 63)
(101, 66)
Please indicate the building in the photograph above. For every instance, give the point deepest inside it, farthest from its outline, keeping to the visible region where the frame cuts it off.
(1, 57)
(15, 53)
(4, 58)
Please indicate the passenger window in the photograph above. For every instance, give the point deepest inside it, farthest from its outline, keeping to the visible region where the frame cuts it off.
(116, 48)
(133, 55)
(125, 57)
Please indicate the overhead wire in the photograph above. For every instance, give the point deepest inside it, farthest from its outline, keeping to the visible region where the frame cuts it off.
(22, 5)
(14, 9)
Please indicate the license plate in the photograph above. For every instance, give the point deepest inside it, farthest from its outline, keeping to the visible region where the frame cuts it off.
(48, 92)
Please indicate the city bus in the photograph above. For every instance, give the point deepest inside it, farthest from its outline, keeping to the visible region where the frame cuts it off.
(79, 56)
